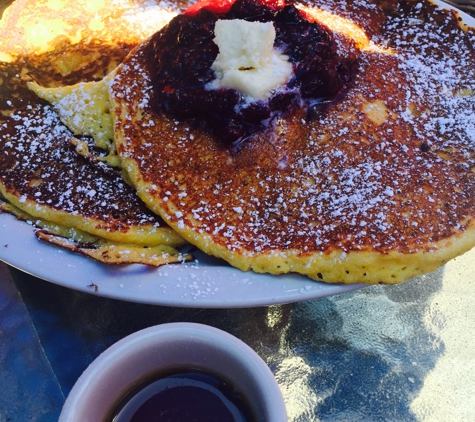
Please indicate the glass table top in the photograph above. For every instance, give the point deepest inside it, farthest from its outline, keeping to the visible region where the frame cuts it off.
(402, 352)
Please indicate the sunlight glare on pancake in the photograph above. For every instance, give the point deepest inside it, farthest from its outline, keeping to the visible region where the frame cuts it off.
(344, 27)
(39, 27)
(41, 34)
(56, 4)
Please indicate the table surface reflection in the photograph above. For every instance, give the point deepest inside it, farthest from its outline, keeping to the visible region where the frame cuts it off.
(395, 353)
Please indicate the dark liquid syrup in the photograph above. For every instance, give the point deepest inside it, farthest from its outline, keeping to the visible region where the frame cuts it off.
(187, 396)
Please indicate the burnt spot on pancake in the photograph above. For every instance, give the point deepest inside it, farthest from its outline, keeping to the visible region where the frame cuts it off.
(425, 147)
(109, 252)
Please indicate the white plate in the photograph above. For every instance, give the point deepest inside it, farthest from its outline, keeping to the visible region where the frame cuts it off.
(209, 283)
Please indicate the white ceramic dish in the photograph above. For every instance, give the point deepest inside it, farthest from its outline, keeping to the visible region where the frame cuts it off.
(166, 347)
(209, 283)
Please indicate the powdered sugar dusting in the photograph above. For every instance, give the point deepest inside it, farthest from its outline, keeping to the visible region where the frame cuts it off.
(402, 180)
(43, 167)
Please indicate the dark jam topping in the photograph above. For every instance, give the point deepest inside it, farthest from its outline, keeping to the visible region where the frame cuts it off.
(185, 51)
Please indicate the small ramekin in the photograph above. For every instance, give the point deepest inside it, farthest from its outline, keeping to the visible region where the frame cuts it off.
(160, 348)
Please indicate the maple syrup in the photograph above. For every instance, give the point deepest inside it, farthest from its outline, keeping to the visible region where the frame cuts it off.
(188, 395)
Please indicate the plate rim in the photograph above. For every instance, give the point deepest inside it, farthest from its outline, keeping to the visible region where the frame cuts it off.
(18, 240)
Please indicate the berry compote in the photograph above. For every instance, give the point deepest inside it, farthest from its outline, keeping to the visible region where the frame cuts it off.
(185, 51)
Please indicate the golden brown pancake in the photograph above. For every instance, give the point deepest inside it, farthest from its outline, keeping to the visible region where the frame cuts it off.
(81, 204)
(379, 189)
(42, 175)
(101, 249)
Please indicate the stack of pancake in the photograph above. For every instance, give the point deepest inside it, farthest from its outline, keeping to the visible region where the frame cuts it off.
(378, 189)
(77, 202)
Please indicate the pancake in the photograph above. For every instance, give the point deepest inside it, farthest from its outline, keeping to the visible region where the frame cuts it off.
(42, 175)
(46, 27)
(377, 188)
(103, 250)
(79, 203)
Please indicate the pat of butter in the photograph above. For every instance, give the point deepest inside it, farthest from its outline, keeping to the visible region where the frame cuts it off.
(247, 60)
